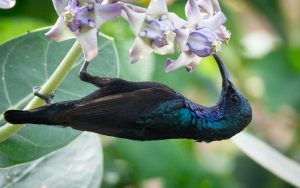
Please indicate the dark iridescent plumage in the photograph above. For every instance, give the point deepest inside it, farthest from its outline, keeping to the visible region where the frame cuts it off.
(144, 111)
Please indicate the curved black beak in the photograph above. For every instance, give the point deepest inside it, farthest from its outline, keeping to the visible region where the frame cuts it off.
(225, 75)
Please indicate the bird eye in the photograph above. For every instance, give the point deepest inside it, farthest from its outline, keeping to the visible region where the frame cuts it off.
(234, 98)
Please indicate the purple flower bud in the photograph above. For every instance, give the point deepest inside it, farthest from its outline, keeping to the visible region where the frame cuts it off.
(202, 42)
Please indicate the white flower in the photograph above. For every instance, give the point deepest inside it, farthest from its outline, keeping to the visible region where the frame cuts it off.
(205, 34)
(155, 29)
(6, 4)
(81, 19)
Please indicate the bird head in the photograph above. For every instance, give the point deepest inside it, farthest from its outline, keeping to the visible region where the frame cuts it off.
(237, 112)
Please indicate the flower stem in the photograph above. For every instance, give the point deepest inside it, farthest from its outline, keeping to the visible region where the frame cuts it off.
(49, 87)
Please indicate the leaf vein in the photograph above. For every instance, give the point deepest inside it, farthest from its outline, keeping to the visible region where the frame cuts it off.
(3, 70)
(45, 63)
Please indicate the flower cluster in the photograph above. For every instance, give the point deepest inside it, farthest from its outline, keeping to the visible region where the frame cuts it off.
(156, 29)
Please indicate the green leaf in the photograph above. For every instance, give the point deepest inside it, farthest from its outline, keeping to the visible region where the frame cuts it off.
(28, 61)
(269, 158)
(68, 167)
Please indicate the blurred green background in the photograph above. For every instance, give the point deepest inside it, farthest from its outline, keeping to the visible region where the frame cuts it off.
(263, 58)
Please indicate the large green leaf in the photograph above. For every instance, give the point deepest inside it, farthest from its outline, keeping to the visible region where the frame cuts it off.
(68, 167)
(28, 61)
(269, 158)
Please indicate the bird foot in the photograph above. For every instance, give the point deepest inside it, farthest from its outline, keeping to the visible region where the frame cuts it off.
(47, 98)
(95, 80)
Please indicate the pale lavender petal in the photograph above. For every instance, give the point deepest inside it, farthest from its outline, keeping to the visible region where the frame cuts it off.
(212, 22)
(135, 8)
(216, 5)
(139, 50)
(85, 1)
(201, 41)
(206, 6)
(223, 34)
(192, 12)
(181, 38)
(159, 42)
(165, 23)
(135, 19)
(152, 31)
(191, 67)
(167, 49)
(77, 16)
(88, 43)
(157, 7)
(176, 20)
(60, 32)
(6, 4)
(107, 12)
(59, 5)
(158, 31)
(184, 59)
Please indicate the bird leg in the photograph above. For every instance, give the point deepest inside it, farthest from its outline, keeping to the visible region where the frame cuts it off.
(95, 80)
(47, 98)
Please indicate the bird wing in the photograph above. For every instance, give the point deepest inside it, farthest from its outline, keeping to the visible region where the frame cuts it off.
(122, 86)
(116, 111)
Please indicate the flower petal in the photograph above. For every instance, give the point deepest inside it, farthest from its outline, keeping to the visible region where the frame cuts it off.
(135, 8)
(184, 59)
(206, 6)
(216, 5)
(192, 12)
(139, 50)
(201, 42)
(60, 5)
(107, 12)
(176, 20)
(86, 1)
(167, 49)
(191, 67)
(135, 19)
(6, 4)
(181, 38)
(88, 43)
(152, 31)
(223, 34)
(60, 32)
(213, 22)
(157, 7)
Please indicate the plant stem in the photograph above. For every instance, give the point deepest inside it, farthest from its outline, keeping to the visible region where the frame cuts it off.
(49, 87)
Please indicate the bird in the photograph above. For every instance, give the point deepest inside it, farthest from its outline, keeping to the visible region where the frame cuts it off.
(144, 111)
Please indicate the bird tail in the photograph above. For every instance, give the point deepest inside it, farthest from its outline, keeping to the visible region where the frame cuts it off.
(22, 117)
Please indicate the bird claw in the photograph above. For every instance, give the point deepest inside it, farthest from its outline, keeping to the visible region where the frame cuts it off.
(95, 80)
(47, 98)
